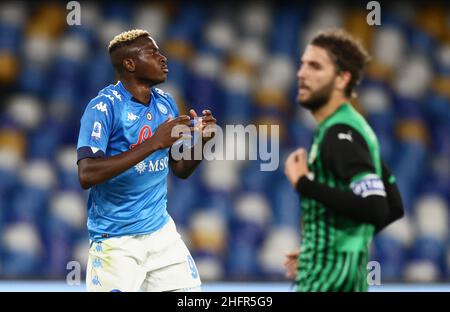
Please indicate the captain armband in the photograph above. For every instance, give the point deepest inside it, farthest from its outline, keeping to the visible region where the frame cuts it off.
(368, 185)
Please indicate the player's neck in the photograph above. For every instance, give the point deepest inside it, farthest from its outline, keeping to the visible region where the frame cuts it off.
(328, 109)
(140, 91)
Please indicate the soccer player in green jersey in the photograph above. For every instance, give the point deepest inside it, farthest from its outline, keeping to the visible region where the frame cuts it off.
(347, 192)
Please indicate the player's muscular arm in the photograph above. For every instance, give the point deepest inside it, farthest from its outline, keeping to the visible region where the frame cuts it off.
(207, 125)
(92, 171)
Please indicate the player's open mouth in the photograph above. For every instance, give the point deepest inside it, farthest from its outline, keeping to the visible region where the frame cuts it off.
(165, 69)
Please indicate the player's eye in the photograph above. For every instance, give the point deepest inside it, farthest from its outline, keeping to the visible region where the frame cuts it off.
(315, 65)
(155, 52)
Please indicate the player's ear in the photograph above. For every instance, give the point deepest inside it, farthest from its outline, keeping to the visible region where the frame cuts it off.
(343, 79)
(129, 65)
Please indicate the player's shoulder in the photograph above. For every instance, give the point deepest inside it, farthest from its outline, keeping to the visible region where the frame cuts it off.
(164, 97)
(342, 133)
(106, 99)
(161, 94)
(112, 93)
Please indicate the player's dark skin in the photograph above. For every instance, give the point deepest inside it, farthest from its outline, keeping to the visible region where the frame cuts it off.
(140, 66)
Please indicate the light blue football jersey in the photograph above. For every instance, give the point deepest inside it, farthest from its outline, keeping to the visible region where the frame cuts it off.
(135, 201)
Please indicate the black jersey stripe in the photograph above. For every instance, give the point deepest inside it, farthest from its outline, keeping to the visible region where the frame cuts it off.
(354, 273)
(321, 256)
(344, 271)
(341, 260)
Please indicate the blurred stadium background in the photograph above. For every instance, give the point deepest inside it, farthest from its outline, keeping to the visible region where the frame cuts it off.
(240, 61)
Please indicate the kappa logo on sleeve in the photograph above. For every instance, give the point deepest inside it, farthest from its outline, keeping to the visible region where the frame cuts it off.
(101, 107)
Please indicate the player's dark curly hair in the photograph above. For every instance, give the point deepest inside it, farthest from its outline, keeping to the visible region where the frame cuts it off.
(346, 53)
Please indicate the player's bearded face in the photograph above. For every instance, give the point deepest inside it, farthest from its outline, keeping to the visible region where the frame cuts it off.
(315, 98)
(316, 77)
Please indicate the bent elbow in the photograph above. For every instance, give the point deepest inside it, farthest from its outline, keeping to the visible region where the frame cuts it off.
(84, 179)
(400, 213)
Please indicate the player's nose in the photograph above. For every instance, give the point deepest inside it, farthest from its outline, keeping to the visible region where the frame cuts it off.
(163, 59)
(301, 73)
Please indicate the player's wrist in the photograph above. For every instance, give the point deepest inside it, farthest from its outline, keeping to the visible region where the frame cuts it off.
(152, 145)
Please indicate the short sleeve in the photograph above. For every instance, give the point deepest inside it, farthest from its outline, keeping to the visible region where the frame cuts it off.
(95, 128)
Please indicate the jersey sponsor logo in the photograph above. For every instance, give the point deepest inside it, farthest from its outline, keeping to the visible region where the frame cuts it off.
(132, 117)
(141, 167)
(370, 184)
(101, 107)
(345, 136)
(162, 108)
(152, 166)
(97, 130)
(144, 134)
(158, 165)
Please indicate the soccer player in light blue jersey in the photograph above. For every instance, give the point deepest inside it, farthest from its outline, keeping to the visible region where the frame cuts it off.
(124, 158)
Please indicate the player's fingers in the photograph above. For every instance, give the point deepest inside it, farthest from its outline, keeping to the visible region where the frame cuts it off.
(183, 119)
(289, 159)
(296, 154)
(301, 155)
(209, 119)
(193, 113)
(288, 263)
(170, 118)
(210, 124)
(292, 253)
(300, 151)
(304, 157)
(292, 275)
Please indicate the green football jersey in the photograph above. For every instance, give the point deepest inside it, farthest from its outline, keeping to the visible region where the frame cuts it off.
(334, 249)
